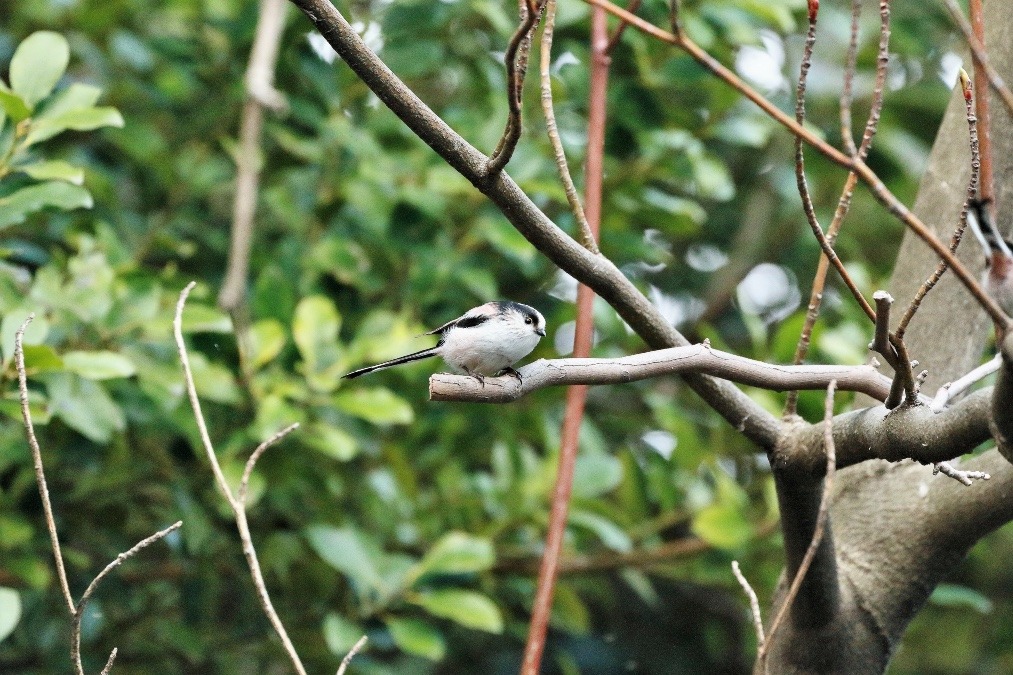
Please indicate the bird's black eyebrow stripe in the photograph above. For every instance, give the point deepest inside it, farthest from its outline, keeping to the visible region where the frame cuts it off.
(524, 310)
(471, 321)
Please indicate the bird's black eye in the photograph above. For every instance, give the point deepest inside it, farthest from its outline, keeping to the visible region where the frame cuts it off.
(528, 320)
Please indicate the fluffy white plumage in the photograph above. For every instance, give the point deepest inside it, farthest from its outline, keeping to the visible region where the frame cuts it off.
(485, 340)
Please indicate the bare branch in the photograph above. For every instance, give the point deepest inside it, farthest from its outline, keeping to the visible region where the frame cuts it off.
(248, 470)
(965, 477)
(109, 664)
(260, 93)
(356, 648)
(515, 59)
(237, 505)
(693, 358)
(951, 390)
(958, 233)
(617, 35)
(40, 475)
(850, 67)
(821, 521)
(754, 603)
(587, 237)
(800, 177)
(75, 645)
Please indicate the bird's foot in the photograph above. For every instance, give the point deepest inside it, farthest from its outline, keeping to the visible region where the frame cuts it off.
(478, 376)
(511, 371)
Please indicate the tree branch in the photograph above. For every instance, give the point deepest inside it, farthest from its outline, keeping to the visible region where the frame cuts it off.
(593, 270)
(676, 360)
(907, 432)
(237, 505)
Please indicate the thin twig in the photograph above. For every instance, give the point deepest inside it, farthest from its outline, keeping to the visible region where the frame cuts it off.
(850, 68)
(821, 521)
(979, 54)
(617, 34)
(879, 190)
(586, 236)
(260, 93)
(75, 648)
(800, 177)
(356, 648)
(248, 470)
(40, 476)
(981, 104)
(844, 202)
(959, 475)
(515, 59)
(238, 508)
(951, 390)
(754, 603)
(109, 664)
(958, 233)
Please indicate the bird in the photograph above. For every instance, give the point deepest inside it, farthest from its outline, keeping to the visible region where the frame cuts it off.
(485, 340)
(998, 277)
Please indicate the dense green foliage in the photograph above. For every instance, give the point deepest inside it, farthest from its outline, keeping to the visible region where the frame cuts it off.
(385, 514)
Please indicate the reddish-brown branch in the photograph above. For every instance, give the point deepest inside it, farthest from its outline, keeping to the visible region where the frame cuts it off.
(583, 333)
(633, 6)
(979, 55)
(981, 105)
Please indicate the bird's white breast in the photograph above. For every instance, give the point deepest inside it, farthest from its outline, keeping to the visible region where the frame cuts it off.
(489, 347)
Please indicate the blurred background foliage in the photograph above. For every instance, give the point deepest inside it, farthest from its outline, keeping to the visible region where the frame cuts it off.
(415, 523)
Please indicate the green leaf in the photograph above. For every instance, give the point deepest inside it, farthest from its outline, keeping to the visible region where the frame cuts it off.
(467, 608)
(13, 105)
(198, 318)
(266, 340)
(55, 169)
(379, 406)
(348, 551)
(101, 365)
(10, 611)
(457, 553)
(74, 97)
(38, 64)
(417, 637)
(607, 531)
(84, 406)
(15, 207)
(315, 330)
(340, 634)
(954, 595)
(722, 525)
(233, 470)
(331, 441)
(594, 475)
(80, 119)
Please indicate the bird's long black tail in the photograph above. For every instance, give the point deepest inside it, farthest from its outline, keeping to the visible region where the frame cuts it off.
(407, 358)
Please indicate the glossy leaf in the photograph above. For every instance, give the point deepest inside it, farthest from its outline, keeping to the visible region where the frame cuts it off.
(267, 339)
(38, 64)
(100, 365)
(79, 119)
(417, 637)
(53, 170)
(340, 634)
(457, 553)
(315, 330)
(379, 406)
(10, 611)
(17, 206)
(467, 608)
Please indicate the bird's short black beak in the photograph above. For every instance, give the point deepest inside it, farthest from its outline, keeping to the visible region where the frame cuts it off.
(540, 331)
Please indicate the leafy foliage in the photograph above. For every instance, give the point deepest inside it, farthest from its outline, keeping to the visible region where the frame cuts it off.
(385, 514)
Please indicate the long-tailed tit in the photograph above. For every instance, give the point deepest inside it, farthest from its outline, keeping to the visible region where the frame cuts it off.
(486, 340)
(998, 279)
